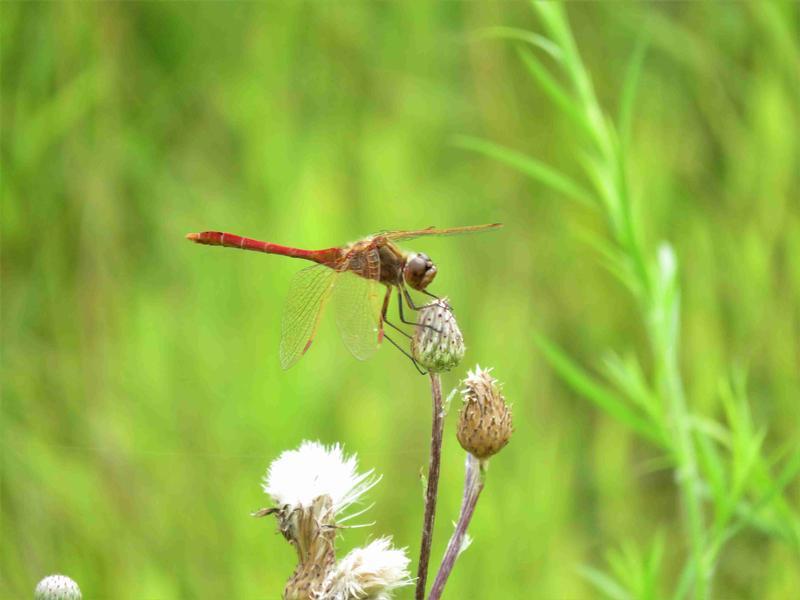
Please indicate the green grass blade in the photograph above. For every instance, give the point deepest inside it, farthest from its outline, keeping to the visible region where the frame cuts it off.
(629, 89)
(685, 581)
(604, 583)
(554, 90)
(535, 169)
(584, 384)
(788, 475)
(522, 35)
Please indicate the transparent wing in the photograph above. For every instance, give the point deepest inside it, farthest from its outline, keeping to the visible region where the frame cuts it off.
(357, 300)
(407, 235)
(308, 293)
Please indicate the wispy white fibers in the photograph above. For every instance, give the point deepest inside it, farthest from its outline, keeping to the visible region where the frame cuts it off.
(310, 487)
(298, 477)
(369, 573)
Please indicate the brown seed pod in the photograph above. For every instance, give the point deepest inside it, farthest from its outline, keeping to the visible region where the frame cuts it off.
(484, 423)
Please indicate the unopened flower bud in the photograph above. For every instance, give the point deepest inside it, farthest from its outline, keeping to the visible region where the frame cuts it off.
(437, 344)
(484, 423)
(57, 587)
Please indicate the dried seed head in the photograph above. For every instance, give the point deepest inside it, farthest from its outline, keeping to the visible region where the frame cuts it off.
(484, 423)
(369, 573)
(57, 587)
(312, 531)
(311, 487)
(437, 343)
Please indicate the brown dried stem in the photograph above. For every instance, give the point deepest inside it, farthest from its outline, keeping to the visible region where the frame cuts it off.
(473, 485)
(433, 485)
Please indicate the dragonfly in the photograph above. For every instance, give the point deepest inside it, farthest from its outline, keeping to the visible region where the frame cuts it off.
(359, 278)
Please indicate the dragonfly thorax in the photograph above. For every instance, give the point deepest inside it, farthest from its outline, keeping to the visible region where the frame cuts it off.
(419, 271)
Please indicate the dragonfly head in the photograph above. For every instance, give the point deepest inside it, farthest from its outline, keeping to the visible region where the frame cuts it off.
(419, 271)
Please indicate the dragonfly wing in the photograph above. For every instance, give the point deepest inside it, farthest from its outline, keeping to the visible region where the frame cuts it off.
(308, 293)
(407, 235)
(357, 300)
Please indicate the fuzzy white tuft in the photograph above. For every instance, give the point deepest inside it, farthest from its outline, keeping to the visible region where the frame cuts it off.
(369, 573)
(298, 477)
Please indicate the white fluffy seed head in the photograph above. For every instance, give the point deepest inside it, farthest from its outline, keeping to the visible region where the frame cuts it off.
(57, 587)
(369, 573)
(298, 477)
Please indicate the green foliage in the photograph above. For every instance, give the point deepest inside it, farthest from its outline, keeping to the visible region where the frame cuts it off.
(142, 397)
(722, 484)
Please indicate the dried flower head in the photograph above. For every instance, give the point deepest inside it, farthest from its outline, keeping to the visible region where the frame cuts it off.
(298, 477)
(484, 423)
(369, 573)
(311, 486)
(57, 587)
(437, 343)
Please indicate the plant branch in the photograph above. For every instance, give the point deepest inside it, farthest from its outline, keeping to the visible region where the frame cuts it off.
(473, 485)
(433, 485)
(657, 291)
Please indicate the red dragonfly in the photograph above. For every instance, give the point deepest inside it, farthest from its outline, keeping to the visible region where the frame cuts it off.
(352, 275)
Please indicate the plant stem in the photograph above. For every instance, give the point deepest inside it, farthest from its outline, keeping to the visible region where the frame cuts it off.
(473, 485)
(433, 485)
(663, 324)
(687, 475)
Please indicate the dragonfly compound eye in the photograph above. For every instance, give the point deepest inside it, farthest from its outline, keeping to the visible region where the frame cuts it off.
(419, 271)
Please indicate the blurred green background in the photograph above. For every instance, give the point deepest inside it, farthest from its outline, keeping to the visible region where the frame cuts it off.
(142, 397)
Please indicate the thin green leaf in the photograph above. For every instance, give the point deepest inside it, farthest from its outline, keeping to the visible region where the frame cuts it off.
(652, 567)
(554, 90)
(629, 89)
(604, 583)
(609, 256)
(554, 19)
(584, 384)
(535, 169)
(685, 580)
(522, 35)
(623, 564)
(604, 184)
(710, 428)
(788, 475)
(714, 472)
(627, 375)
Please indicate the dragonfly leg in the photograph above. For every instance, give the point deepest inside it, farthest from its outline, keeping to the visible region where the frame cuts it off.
(413, 307)
(411, 358)
(386, 298)
(385, 308)
(437, 298)
(396, 328)
(427, 293)
(410, 300)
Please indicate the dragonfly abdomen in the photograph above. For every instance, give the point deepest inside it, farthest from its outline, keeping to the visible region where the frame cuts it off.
(328, 256)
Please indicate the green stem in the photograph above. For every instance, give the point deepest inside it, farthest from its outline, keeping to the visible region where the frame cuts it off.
(662, 318)
(687, 476)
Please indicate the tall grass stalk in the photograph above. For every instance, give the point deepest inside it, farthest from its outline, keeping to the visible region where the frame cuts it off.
(654, 283)
(656, 406)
